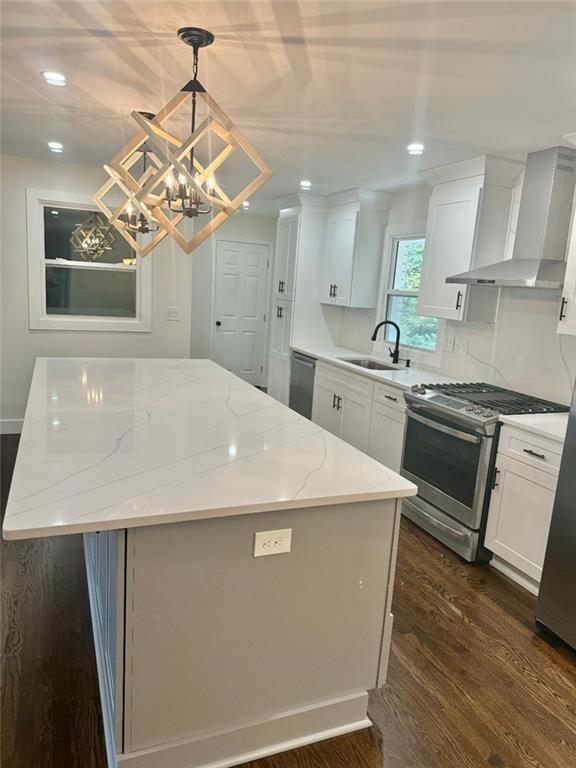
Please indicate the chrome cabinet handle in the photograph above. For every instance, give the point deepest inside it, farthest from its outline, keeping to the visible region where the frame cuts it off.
(530, 452)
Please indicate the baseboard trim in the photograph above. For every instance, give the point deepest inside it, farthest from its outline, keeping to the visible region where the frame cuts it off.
(11, 426)
(529, 584)
(253, 742)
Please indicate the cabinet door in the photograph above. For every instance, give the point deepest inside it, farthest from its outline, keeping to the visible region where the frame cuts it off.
(285, 257)
(386, 436)
(520, 513)
(338, 260)
(567, 310)
(450, 233)
(280, 337)
(355, 419)
(324, 411)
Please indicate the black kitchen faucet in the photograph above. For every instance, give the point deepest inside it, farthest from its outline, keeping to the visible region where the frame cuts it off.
(395, 353)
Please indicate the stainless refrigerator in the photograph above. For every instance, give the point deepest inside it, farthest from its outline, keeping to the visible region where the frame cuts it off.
(556, 610)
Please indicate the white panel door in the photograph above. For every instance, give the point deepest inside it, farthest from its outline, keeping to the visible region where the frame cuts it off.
(450, 235)
(386, 436)
(520, 513)
(239, 306)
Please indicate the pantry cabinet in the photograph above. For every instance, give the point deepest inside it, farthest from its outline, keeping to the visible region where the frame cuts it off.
(469, 225)
(285, 256)
(352, 253)
(279, 358)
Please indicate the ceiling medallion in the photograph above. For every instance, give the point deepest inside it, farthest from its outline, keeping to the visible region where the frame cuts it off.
(164, 179)
(91, 239)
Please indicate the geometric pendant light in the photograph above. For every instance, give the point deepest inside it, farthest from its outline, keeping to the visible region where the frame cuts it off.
(91, 239)
(162, 177)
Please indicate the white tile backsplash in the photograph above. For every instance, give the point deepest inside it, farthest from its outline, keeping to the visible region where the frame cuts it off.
(521, 350)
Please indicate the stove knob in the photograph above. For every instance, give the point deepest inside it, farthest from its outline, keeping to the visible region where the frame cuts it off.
(415, 388)
(469, 406)
(488, 412)
(478, 411)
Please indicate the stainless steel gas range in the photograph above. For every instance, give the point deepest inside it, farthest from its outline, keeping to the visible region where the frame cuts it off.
(450, 444)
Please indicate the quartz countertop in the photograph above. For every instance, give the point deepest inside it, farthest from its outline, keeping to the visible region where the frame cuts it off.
(551, 425)
(400, 376)
(121, 443)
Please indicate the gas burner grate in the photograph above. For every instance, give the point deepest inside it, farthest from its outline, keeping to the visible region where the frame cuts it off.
(504, 401)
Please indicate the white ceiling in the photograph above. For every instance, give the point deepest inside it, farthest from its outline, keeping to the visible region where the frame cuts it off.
(330, 91)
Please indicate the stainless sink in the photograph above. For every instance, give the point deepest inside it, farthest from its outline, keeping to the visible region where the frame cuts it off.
(372, 365)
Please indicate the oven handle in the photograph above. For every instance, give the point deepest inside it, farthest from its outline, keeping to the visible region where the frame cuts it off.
(438, 523)
(443, 428)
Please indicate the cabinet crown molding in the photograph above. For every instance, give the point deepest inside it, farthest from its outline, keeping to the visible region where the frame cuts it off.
(489, 169)
(367, 198)
(299, 200)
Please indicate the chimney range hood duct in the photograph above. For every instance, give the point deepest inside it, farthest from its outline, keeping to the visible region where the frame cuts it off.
(538, 259)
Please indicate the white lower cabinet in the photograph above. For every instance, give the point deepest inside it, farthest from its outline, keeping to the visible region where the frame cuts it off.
(343, 412)
(367, 414)
(519, 518)
(386, 435)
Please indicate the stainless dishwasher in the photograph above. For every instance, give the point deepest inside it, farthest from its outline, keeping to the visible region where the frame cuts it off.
(302, 383)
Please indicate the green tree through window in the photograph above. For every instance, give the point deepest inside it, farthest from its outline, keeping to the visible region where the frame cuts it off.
(406, 274)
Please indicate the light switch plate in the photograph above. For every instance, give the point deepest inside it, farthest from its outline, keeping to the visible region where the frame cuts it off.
(172, 313)
(272, 542)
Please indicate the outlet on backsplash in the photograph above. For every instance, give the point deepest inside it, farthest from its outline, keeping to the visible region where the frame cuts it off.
(460, 346)
(449, 340)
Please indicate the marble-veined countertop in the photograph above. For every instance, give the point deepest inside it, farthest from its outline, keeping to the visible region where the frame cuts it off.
(120, 443)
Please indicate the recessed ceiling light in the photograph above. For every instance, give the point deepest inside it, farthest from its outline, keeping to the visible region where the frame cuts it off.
(54, 78)
(415, 149)
(246, 204)
(55, 146)
(305, 184)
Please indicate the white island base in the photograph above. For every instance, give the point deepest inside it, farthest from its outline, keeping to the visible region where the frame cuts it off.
(209, 656)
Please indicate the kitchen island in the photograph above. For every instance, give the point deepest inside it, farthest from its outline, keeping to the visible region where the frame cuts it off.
(215, 645)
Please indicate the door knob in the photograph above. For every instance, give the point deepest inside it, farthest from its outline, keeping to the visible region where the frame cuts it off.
(218, 323)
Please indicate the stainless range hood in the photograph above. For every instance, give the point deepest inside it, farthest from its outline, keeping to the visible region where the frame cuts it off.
(538, 259)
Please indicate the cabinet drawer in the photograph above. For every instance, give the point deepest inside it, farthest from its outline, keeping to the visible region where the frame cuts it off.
(531, 449)
(393, 397)
(356, 383)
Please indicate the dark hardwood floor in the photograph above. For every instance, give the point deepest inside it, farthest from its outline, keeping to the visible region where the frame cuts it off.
(470, 683)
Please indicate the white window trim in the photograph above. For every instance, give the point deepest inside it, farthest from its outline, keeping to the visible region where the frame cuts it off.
(38, 318)
(417, 355)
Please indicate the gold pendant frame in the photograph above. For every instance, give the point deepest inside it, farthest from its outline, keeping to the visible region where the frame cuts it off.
(166, 153)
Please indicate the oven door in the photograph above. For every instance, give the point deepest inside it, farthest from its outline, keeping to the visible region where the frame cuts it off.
(449, 464)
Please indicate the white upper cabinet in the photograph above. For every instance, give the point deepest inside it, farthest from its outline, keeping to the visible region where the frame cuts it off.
(450, 231)
(285, 256)
(567, 309)
(353, 238)
(468, 226)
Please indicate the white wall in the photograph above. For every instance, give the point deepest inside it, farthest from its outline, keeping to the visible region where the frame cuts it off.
(244, 226)
(172, 270)
(520, 350)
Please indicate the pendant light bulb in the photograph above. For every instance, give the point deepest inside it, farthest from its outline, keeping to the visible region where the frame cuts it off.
(211, 183)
